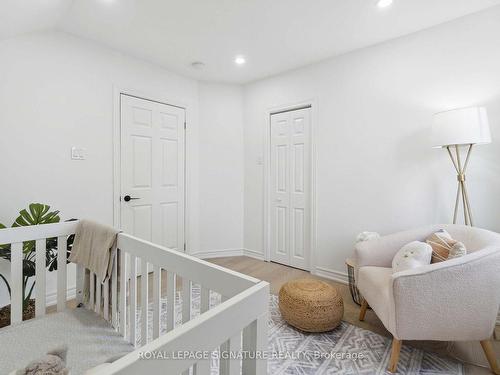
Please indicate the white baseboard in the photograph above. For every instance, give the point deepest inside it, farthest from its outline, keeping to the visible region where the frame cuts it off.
(217, 253)
(228, 253)
(327, 273)
(51, 298)
(253, 254)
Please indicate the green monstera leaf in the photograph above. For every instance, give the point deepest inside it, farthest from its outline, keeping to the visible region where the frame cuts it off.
(38, 214)
(4, 248)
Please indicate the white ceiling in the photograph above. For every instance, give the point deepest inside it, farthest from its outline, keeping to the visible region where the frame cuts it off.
(24, 16)
(274, 35)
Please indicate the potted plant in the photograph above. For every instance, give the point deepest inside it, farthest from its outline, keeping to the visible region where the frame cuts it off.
(36, 214)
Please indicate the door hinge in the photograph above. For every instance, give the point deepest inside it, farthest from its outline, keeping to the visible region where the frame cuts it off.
(185, 126)
(184, 247)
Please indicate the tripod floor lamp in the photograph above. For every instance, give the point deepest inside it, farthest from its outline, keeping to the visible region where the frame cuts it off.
(455, 130)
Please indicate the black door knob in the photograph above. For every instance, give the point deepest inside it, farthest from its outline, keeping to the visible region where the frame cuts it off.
(128, 198)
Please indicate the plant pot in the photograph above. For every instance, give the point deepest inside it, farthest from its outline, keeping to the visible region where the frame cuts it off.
(28, 313)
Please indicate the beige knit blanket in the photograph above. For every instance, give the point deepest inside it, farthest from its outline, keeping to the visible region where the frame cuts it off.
(93, 247)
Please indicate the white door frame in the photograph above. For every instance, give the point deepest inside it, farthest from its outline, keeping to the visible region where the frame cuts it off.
(117, 92)
(312, 103)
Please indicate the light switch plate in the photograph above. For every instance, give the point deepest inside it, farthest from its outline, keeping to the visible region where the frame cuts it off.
(78, 153)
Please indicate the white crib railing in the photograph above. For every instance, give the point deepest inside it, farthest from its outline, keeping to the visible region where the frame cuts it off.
(238, 322)
(38, 233)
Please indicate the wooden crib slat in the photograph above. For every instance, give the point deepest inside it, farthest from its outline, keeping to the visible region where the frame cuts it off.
(114, 290)
(186, 300)
(156, 301)
(16, 282)
(231, 366)
(133, 299)
(171, 279)
(61, 272)
(202, 367)
(98, 297)
(255, 339)
(40, 277)
(205, 300)
(91, 304)
(224, 362)
(123, 293)
(144, 301)
(80, 281)
(105, 299)
(186, 305)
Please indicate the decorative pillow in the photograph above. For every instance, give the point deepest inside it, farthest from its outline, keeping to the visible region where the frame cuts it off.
(442, 245)
(412, 255)
(458, 250)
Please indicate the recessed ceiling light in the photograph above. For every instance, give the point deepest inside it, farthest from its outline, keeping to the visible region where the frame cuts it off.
(197, 65)
(384, 3)
(239, 60)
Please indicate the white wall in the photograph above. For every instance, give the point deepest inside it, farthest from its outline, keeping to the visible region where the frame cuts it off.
(221, 168)
(56, 91)
(375, 168)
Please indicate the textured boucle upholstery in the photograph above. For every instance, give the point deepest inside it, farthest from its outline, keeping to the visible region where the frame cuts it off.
(375, 282)
(455, 300)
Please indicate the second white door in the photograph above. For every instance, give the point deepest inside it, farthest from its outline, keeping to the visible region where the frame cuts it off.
(152, 171)
(290, 185)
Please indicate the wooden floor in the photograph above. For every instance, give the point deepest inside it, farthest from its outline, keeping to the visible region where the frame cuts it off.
(276, 275)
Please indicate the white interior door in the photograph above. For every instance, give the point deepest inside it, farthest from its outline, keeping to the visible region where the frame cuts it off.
(290, 188)
(152, 171)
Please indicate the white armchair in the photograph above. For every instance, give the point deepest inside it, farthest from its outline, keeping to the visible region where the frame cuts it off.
(455, 300)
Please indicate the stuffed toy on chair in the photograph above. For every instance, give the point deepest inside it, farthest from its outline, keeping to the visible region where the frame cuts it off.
(54, 363)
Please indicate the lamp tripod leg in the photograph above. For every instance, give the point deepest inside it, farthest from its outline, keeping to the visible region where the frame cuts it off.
(462, 193)
(457, 201)
(464, 202)
(467, 203)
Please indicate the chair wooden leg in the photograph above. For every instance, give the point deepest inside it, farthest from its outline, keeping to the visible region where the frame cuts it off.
(490, 356)
(396, 348)
(362, 312)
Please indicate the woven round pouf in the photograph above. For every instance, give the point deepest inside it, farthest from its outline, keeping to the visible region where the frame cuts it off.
(311, 305)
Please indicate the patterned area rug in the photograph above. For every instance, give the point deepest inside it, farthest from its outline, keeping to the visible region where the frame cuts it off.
(347, 350)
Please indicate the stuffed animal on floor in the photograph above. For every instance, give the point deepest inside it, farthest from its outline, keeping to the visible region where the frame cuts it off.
(54, 363)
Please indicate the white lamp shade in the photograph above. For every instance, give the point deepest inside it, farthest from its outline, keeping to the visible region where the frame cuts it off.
(461, 127)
